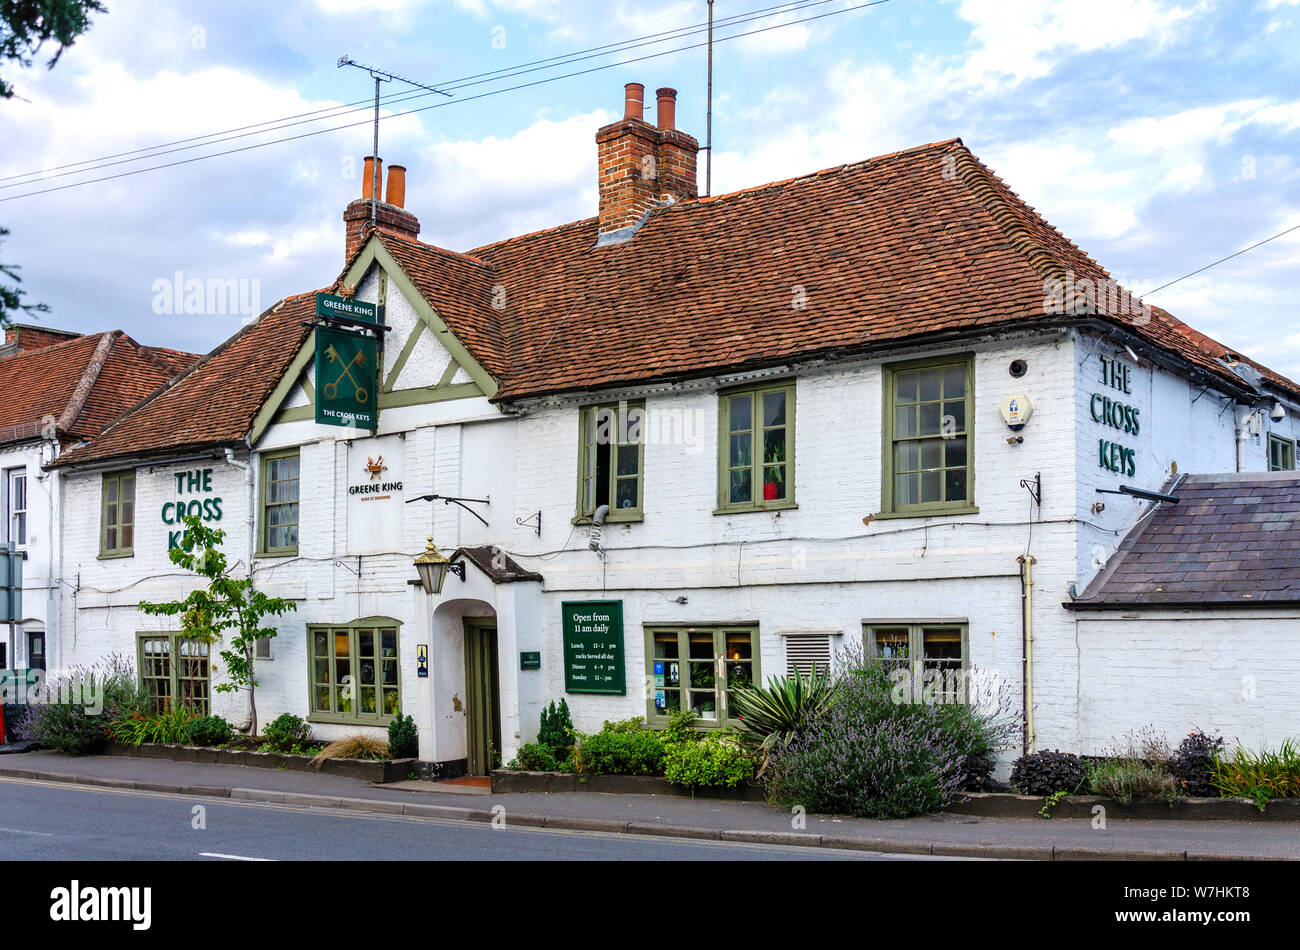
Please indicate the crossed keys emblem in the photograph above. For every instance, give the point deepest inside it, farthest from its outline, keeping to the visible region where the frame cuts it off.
(332, 389)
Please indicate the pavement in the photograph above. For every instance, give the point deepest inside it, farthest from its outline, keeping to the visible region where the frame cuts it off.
(675, 816)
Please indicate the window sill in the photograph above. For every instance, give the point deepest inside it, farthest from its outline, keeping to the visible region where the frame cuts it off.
(926, 513)
(378, 722)
(775, 506)
(116, 554)
(292, 553)
(611, 518)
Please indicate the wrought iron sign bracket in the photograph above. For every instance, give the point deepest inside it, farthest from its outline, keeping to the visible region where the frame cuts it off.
(348, 567)
(453, 500)
(528, 522)
(1035, 488)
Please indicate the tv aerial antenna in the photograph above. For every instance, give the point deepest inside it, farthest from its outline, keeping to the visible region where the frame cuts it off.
(381, 76)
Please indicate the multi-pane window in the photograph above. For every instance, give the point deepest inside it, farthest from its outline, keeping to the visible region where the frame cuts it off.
(280, 503)
(1281, 454)
(175, 671)
(117, 522)
(698, 668)
(756, 451)
(611, 459)
(354, 671)
(925, 647)
(928, 437)
(16, 488)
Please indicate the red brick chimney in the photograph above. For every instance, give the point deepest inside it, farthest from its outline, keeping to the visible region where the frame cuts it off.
(27, 337)
(390, 216)
(639, 164)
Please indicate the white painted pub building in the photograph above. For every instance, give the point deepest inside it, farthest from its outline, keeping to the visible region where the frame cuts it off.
(695, 442)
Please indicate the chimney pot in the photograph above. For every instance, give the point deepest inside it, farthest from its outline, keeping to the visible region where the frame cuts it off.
(633, 100)
(396, 194)
(370, 175)
(667, 107)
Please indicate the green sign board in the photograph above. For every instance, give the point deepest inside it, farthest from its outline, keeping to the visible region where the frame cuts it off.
(530, 660)
(332, 305)
(347, 379)
(593, 646)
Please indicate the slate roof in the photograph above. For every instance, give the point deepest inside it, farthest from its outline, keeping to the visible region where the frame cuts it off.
(1232, 540)
(917, 246)
(81, 384)
(499, 566)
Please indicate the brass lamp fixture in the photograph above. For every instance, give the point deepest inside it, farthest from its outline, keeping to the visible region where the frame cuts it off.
(433, 567)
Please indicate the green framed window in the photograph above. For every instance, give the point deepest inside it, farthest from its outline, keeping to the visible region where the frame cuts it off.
(117, 515)
(611, 459)
(175, 670)
(697, 668)
(354, 671)
(928, 423)
(928, 647)
(279, 534)
(756, 448)
(1281, 454)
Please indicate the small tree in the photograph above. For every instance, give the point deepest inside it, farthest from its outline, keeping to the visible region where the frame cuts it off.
(227, 603)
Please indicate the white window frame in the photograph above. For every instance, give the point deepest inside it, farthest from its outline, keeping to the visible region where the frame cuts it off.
(12, 475)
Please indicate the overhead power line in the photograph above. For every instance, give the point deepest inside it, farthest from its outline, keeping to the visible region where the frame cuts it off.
(1221, 260)
(332, 112)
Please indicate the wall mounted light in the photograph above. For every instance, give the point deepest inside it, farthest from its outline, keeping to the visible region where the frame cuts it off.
(433, 567)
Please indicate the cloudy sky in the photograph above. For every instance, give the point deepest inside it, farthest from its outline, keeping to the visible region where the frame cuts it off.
(1158, 135)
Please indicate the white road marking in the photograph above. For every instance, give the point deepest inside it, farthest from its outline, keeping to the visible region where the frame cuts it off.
(20, 831)
(231, 857)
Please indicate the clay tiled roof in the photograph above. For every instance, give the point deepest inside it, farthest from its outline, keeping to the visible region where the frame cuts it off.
(917, 246)
(215, 402)
(1231, 540)
(80, 385)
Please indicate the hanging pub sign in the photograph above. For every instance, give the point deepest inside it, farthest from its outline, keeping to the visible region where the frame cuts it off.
(593, 646)
(347, 379)
(332, 306)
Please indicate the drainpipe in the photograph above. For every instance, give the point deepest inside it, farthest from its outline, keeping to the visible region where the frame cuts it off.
(1243, 434)
(247, 468)
(1027, 646)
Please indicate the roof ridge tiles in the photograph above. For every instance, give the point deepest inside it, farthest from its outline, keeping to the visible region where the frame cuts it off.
(425, 245)
(89, 376)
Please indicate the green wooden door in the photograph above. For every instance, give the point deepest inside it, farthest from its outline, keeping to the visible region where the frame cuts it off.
(482, 696)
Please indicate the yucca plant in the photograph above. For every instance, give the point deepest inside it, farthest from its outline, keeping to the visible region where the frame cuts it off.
(771, 715)
(352, 747)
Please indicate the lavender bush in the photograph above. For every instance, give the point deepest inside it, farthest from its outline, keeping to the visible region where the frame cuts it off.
(872, 756)
(70, 726)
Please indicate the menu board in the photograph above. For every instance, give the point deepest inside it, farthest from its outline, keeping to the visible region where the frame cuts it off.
(593, 647)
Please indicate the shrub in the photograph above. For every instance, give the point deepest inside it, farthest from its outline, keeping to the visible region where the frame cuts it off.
(209, 731)
(1043, 773)
(1128, 777)
(621, 753)
(1192, 765)
(286, 732)
(170, 728)
(680, 728)
(1260, 776)
(72, 727)
(534, 757)
(636, 724)
(351, 747)
(712, 761)
(556, 728)
(771, 715)
(403, 738)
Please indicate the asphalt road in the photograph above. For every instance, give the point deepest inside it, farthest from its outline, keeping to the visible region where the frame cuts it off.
(54, 822)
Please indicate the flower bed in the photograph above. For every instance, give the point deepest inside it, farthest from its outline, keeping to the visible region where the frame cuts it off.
(378, 771)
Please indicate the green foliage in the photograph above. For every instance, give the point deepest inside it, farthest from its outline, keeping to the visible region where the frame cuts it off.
(1260, 776)
(680, 728)
(209, 731)
(1127, 777)
(636, 724)
(1045, 772)
(712, 761)
(26, 26)
(534, 757)
(1193, 763)
(621, 753)
(403, 738)
(771, 715)
(287, 731)
(556, 729)
(170, 728)
(227, 604)
(73, 727)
